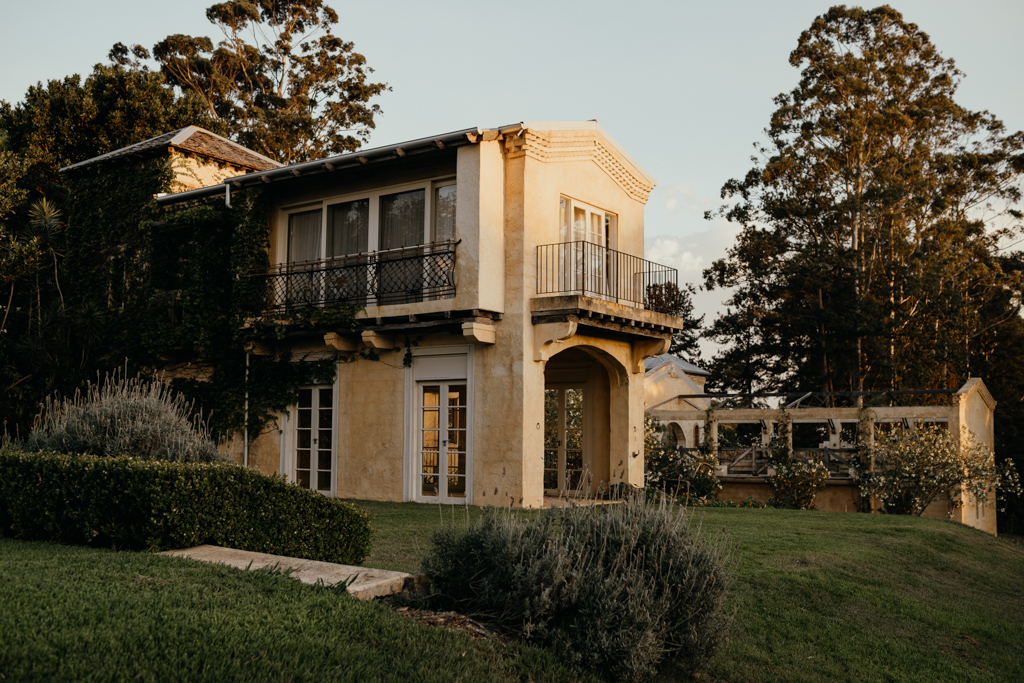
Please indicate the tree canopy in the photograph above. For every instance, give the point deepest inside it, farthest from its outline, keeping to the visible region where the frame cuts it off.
(871, 221)
(279, 82)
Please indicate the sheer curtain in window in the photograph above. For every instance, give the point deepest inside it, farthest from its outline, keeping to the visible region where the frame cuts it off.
(348, 230)
(400, 275)
(444, 213)
(304, 236)
(401, 219)
(303, 286)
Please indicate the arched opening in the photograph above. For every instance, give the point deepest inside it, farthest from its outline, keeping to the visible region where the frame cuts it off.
(577, 411)
(673, 436)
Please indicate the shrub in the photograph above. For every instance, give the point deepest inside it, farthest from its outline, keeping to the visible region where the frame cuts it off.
(912, 467)
(674, 469)
(138, 504)
(613, 588)
(796, 483)
(135, 417)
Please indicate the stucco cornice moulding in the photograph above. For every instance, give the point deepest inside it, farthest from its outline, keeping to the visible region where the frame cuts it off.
(560, 146)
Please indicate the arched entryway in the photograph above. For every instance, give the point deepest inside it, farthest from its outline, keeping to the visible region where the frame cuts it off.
(577, 409)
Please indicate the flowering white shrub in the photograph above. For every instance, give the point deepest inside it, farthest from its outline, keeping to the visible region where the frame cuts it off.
(796, 483)
(912, 467)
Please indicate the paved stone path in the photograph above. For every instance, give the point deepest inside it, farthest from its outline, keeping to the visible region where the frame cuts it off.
(368, 584)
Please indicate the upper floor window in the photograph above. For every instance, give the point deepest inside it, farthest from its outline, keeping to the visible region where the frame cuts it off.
(392, 218)
(580, 222)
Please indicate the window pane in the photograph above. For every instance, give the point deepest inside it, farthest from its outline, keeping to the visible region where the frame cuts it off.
(325, 419)
(305, 419)
(323, 461)
(429, 462)
(429, 485)
(456, 440)
(303, 479)
(457, 487)
(457, 418)
(563, 219)
(444, 213)
(401, 219)
(325, 398)
(457, 395)
(303, 439)
(596, 229)
(302, 460)
(305, 398)
(323, 438)
(323, 481)
(304, 236)
(431, 394)
(348, 228)
(551, 437)
(579, 224)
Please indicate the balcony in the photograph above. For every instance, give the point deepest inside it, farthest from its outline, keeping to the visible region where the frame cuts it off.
(594, 271)
(607, 291)
(394, 276)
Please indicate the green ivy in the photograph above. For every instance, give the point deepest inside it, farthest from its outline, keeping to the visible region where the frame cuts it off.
(173, 289)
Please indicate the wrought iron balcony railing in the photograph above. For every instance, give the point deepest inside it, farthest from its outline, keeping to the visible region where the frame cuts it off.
(394, 276)
(592, 270)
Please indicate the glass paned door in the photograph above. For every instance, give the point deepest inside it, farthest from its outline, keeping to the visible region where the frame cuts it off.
(444, 444)
(564, 440)
(314, 439)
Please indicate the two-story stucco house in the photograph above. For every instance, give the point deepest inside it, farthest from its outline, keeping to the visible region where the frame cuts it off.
(507, 314)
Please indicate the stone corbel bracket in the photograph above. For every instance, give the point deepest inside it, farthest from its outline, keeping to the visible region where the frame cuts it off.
(339, 342)
(642, 350)
(548, 338)
(479, 332)
(375, 340)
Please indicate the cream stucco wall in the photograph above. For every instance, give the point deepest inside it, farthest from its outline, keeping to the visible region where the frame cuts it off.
(507, 204)
(192, 171)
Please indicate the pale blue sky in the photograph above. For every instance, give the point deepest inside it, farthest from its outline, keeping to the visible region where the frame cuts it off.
(684, 87)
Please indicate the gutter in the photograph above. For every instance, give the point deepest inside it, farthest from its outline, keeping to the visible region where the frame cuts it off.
(349, 160)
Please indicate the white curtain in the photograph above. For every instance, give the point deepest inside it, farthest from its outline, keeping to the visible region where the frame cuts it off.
(348, 228)
(304, 236)
(444, 213)
(401, 219)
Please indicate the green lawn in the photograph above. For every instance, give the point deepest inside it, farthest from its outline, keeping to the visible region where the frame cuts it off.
(78, 614)
(818, 597)
(832, 596)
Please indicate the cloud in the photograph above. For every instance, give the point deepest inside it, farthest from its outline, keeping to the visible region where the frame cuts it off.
(682, 195)
(690, 255)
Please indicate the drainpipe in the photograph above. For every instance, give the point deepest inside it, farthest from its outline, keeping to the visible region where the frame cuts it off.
(245, 428)
(227, 195)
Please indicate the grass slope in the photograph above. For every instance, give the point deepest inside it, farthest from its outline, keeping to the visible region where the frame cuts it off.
(831, 596)
(78, 614)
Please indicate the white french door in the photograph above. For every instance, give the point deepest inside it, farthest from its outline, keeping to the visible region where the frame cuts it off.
(564, 439)
(443, 446)
(314, 439)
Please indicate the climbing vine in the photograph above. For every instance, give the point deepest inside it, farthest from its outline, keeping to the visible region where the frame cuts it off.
(168, 291)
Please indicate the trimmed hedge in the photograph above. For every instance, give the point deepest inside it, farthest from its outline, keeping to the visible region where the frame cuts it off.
(134, 504)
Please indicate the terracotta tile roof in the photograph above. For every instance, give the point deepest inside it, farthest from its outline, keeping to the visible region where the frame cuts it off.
(206, 143)
(189, 139)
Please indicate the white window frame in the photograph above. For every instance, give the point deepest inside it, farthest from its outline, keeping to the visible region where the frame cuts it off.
(373, 238)
(611, 235)
(289, 421)
(414, 379)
